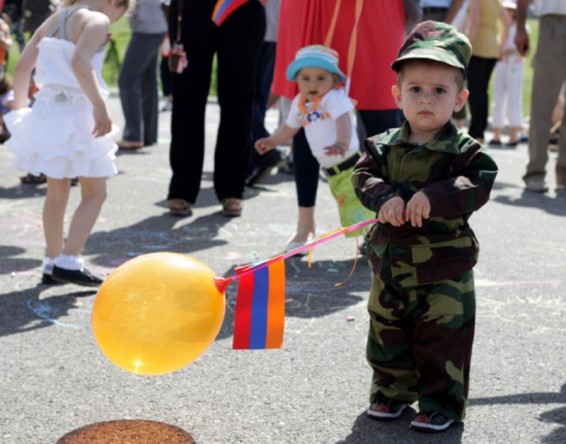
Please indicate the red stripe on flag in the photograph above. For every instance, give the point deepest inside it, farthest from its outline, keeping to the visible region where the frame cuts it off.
(243, 312)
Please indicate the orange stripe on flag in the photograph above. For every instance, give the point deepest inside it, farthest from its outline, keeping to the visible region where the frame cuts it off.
(276, 305)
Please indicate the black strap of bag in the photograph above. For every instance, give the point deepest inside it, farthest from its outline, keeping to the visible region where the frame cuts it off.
(179, 21)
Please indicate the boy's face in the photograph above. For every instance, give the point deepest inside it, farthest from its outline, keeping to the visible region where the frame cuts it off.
(315, 82)
(428, 94)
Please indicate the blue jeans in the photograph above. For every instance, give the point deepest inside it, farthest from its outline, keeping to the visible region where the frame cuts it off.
(138, 87)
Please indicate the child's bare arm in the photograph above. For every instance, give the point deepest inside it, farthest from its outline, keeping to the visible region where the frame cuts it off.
(92, 37)
(281, 135)
(22, 72)
(343, 135)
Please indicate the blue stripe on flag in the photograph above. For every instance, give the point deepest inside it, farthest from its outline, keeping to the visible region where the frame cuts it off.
(258, 330)
(222, 8)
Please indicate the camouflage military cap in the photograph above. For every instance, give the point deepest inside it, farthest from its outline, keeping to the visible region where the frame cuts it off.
(436, 41)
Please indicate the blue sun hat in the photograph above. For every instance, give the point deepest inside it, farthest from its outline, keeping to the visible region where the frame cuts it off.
(315, 56)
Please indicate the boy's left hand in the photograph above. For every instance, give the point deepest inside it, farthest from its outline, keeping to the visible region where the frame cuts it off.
(417, 209)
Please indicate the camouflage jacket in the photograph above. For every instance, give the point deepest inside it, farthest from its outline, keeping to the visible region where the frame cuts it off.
(455, 174)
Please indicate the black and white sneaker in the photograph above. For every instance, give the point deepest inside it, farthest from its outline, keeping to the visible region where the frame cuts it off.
(430, 421)
(79, 277)
(384, 408)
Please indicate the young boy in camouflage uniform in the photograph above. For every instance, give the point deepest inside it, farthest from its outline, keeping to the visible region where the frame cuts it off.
(423, 180)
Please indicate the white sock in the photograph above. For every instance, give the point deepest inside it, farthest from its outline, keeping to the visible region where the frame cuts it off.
(47, 265)
(69, 262)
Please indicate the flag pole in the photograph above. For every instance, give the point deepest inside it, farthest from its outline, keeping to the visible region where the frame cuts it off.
(222, 283)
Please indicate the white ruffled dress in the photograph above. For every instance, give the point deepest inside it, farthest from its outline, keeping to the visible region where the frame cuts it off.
(54, 136)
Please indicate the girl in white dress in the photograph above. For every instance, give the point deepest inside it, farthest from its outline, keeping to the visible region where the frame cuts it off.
(67, 132)
(508, 86)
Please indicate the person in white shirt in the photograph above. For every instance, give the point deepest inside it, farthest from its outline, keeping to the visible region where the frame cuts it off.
(549, 72)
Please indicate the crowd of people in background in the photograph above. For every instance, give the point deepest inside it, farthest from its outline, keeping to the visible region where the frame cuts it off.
(491, 26)
(496, 29)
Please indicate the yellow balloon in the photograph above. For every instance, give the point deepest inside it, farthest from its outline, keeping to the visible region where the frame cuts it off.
(157, 313)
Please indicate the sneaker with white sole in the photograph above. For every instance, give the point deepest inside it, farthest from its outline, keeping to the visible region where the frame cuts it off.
(384, 408)
(430, 421)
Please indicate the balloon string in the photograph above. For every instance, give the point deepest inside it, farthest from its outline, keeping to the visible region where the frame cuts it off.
(338, 284)
(222, 283)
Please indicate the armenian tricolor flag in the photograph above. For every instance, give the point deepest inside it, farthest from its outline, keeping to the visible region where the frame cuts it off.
(224, 8)
(260, 307)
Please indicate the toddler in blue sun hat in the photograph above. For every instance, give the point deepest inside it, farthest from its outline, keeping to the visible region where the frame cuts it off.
(327, 115)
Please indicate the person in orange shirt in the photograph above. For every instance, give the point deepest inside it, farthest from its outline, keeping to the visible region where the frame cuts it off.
(380, 33)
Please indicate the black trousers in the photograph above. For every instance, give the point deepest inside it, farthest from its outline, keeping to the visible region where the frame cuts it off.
(479, 73)
(236, 43)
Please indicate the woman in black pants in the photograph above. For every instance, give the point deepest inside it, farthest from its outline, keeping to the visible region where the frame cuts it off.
(236, 43)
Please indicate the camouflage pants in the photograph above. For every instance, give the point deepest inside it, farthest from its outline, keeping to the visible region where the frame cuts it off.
(420, 342)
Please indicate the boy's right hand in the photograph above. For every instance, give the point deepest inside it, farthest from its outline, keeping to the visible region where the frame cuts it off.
(264, 145)
(393, 212)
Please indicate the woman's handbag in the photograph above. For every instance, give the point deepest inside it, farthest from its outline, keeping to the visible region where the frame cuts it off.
(177, 57)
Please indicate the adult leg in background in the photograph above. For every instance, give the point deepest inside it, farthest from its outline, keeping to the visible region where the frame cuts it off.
(150, 92)
(479, 73)
(141, 56)
(239, 42)
(548, 75)
(190, 93)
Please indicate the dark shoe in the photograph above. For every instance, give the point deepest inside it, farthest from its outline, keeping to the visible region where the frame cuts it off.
(263, 170)
(79, 277)
(430, 421)
(385, 409)
(47, 279)
(32, 179)
(495, 142)
(259, 175)
(512, 144)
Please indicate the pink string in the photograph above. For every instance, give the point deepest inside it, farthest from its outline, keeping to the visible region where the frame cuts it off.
(222, 283)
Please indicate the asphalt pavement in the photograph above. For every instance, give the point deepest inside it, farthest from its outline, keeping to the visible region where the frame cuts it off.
(54, 378)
